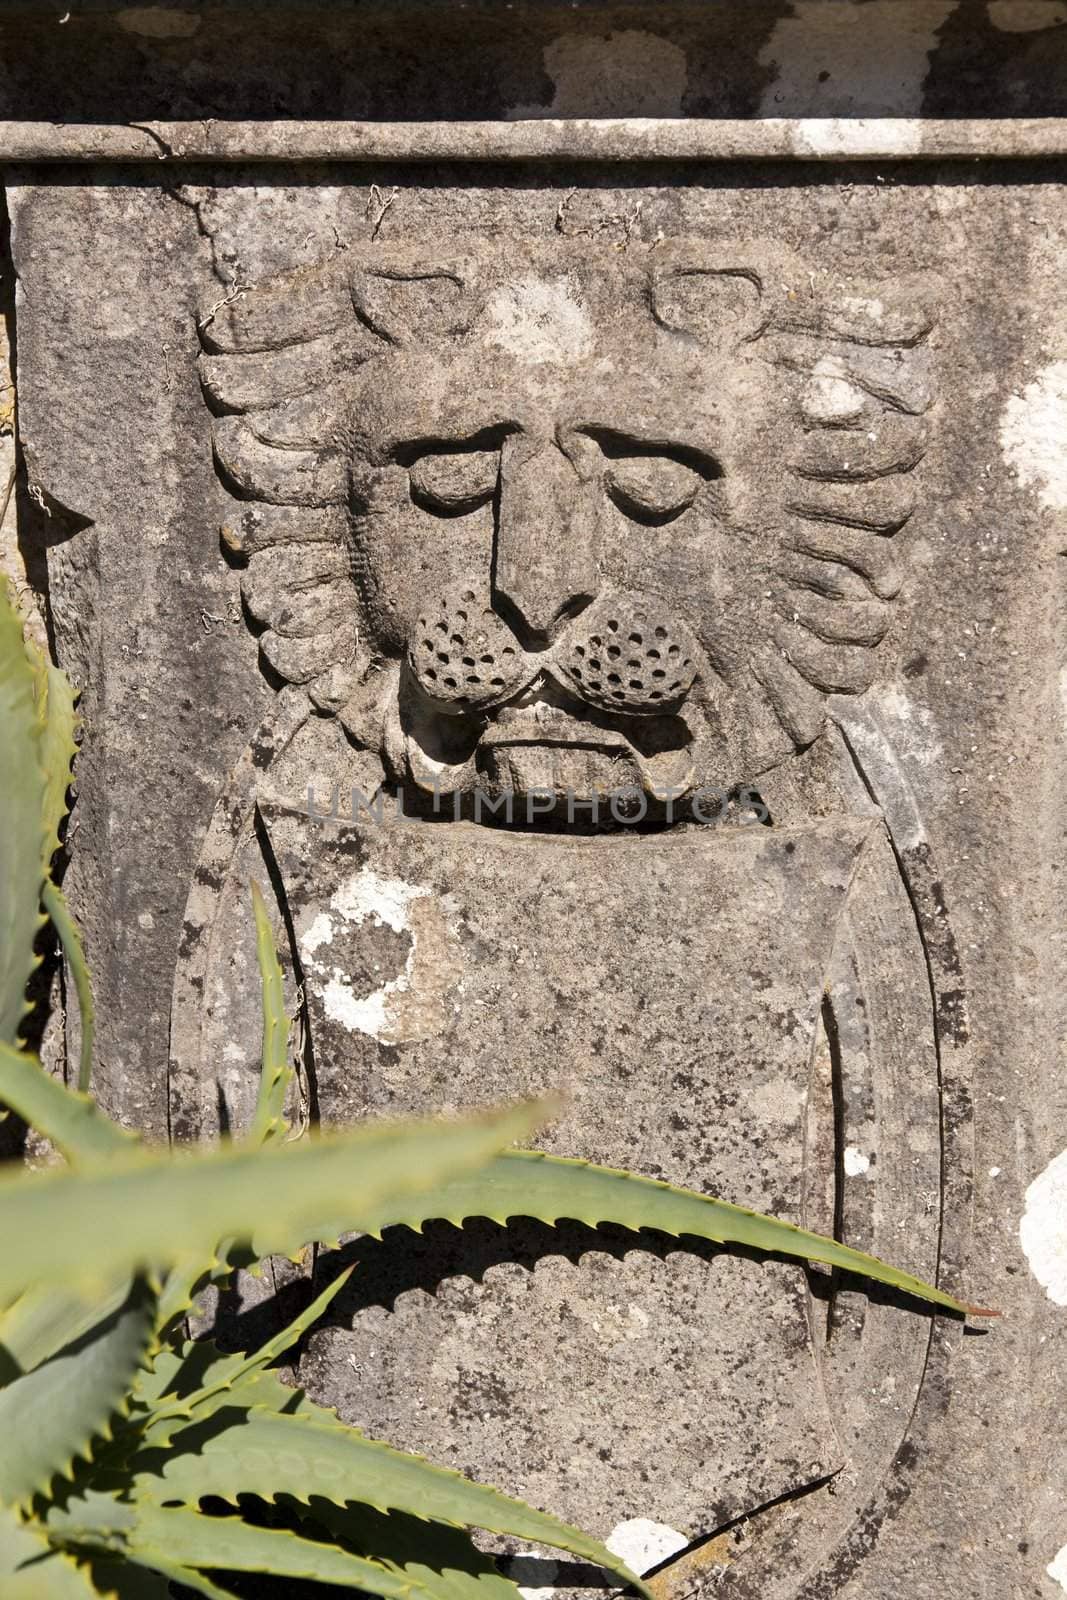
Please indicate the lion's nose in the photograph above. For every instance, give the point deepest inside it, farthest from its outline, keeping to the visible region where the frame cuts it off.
(545, 568)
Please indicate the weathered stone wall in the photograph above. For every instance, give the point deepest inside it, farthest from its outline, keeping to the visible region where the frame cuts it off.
(592, 399)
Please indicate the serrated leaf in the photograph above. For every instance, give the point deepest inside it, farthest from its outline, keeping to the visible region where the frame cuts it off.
(54, 902)
(31, 1570)
(194, 1273)
(276, 1074)
(56, 720)
(189, 1539)
(229, 1371)
(22, 798)
(80, 1228)
(52, 1415)
(43, 1320)
(526, 1183)
(260, 1452)
(70, 1119)
(441, 1561)
(261, 1391)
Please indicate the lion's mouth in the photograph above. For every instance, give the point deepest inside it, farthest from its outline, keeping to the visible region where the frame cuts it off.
(545, 716)
(544, 724)
(548, 738)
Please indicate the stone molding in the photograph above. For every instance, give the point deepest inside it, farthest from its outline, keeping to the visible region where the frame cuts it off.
(542, 139)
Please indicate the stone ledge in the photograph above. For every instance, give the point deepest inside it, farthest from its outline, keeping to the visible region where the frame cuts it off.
(543, 139)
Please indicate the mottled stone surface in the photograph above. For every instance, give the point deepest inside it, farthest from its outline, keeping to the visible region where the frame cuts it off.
(798, 432)
(669, 988)
(187, 60)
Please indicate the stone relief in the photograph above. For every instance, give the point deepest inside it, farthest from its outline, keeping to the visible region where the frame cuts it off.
(570, 518)
(563, 522)
(777, 1011)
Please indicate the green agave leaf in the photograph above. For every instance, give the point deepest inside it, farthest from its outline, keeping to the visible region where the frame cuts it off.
(441, 1561)
(22, 800)
(525, 1183)
(173, 1365)
(263, 1390)
(189, 1539)
(52, 1415)
(54, 902)
(81, 1228)
(31, 1570)
(260, 1391)
(178, 1374)
(44, 1320)
(71, 1120)
(198, 1378)
(228, 1371)
(275, 1074)
(57, 721)
(180, 1288)
(260, 1452)
(194, 1273)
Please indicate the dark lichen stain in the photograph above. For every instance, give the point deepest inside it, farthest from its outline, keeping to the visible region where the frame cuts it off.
(952, 1017)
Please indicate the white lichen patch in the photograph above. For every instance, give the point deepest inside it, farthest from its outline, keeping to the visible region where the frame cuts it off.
(846, 64)
(830, 395)
(320, 933)
(911, 726)
(1057, 1568)
(366, 896)
(1033, 435)
(1043, 1229)
(387, 900)
(413, 1004)
(538, 320)
(856, 136)
(360, 1013)
(629, 73)
(643, 1544)
(856, 1162)
(779, 1101)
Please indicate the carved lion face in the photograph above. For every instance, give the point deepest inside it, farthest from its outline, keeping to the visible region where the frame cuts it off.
(567, 519)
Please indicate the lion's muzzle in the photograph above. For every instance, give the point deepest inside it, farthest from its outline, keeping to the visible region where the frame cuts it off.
(625, 654)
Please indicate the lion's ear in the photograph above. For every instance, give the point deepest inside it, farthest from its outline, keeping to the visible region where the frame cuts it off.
(415, 303)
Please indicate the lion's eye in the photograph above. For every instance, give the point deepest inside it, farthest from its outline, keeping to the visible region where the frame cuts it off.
(651, 489)
(452, 483)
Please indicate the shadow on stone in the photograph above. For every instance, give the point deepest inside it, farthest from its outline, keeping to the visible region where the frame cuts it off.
(403, 1261)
